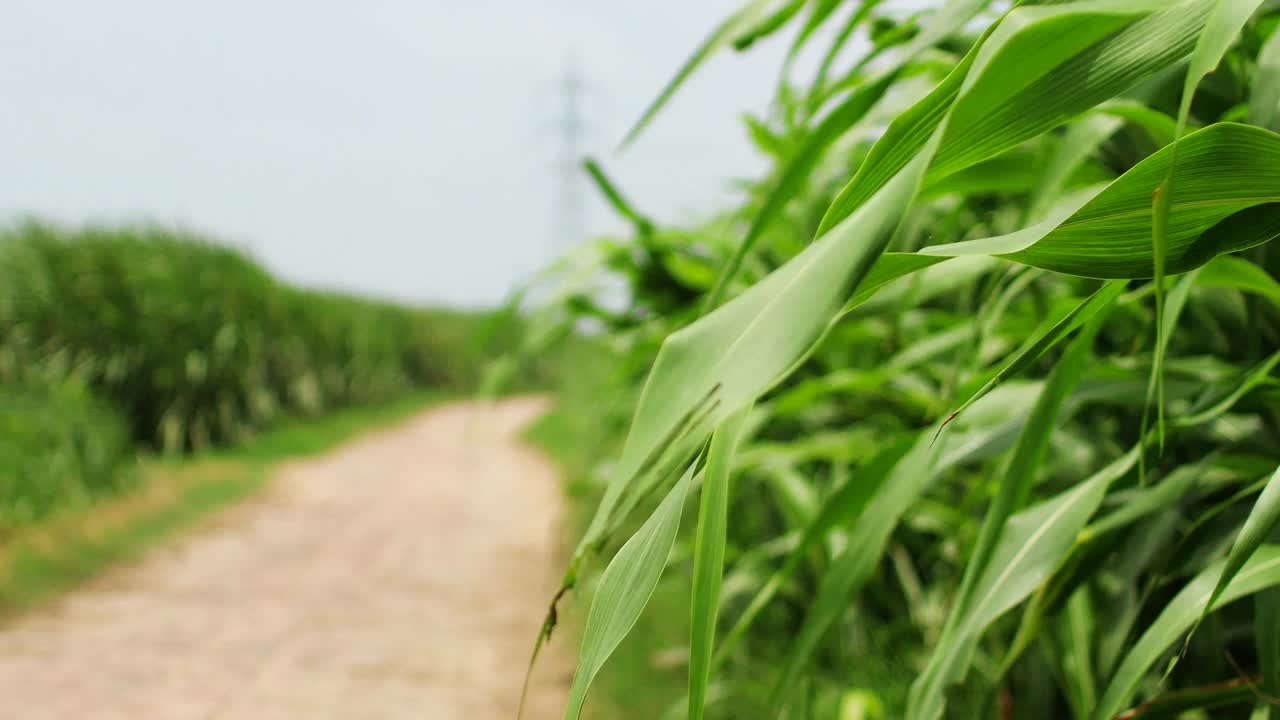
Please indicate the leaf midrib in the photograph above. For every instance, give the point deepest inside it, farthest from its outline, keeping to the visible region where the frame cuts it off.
(1191, 205)
(1023, 551)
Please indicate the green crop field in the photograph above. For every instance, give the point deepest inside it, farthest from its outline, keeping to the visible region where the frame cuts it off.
(968, 408)
(120, 341)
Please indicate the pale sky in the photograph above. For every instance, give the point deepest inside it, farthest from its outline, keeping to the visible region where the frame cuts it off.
(400, 148)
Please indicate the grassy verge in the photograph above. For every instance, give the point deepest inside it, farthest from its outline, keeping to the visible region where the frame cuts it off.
(169, 495)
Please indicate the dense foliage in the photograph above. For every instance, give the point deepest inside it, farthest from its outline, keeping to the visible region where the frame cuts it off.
(59, 447)
(973, 395)
(196, 343)
(111, 338)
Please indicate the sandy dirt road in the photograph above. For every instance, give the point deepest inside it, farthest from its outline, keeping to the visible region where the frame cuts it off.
(400, 576)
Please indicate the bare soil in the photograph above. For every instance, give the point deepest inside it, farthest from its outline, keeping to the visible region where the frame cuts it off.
(401, 576)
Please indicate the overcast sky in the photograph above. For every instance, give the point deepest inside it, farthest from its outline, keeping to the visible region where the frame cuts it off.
(401, 148)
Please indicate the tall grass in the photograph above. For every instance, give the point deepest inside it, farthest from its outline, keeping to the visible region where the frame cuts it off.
(978, 381)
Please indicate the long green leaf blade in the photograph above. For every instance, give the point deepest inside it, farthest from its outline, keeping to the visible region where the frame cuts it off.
(722, 36)
(796, 171)
(1228, 177)
(1221, 29)
(708, 557)
(1257, 527)
(742, 348)
(1038, 345)
(625, 588)
(1261, 572)
(1267, 626)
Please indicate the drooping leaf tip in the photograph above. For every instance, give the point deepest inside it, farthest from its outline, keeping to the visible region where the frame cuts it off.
(943, 426)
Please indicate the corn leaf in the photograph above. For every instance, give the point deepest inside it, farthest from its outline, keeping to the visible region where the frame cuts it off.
(625, 588)
(642, 224)
(768, 25)
(708, 557)
(1039, 344)
(1216, 405)
(1267, 624)
(796, 171)
(865, 545)
(722, 36)
(1229, 271)
(1229, 180)
(1015, 89)
(979, 603)
(1264, 101)
(1257, 527)
(743, 347)
(821, 12)
(1260, 572)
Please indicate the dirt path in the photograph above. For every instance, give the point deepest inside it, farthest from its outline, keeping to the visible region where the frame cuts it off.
(401, 576)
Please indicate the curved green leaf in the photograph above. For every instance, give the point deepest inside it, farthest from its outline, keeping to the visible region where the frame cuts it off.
(1228, 271)
(1215, 406)
(625, 588)
(1038, 68)
(1039, 344)
(1260, 572)
(822, 10)
(796, 172)
(1161, 128)
(643, 225)
(739, 350)
(708, 557)
(718, 39)
(767, 25)
(1257, 527)
(1228, 177)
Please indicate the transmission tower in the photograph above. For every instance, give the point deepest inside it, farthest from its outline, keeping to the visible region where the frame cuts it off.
(569, 214)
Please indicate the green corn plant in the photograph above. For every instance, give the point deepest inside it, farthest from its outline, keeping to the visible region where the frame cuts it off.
(911, 376)
(59, 447)
(194, 343)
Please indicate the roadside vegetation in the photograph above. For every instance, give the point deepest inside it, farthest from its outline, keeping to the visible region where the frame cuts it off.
(968, 408)
(134, 359)
(166, 496)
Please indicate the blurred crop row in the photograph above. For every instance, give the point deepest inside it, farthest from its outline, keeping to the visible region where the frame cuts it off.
(113, 340)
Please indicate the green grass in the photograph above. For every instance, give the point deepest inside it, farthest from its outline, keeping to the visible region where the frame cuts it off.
(308, 436)
(42, 560)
